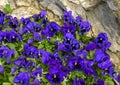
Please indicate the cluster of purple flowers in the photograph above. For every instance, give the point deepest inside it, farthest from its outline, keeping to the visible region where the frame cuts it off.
(69, 55)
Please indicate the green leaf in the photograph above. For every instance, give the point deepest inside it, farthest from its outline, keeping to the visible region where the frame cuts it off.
(108, 82)
(11, 45)
(11, 79)
(6, 83)
(7, 9)
(40, 46)
(90, 55)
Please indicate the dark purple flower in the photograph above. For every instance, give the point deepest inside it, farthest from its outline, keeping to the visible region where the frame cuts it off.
(29, 51)
(37, 72)
(51, 29)
(118, 78)
(30, 41)
(111, 71)
(99, 82)
(78, 20)
(36, 82)
(37, 36)
(24, 30)
(22, 78)
(13, 23)
(39, 16)
(91, 46)
(1, 19)
(102, 41)
(13, 70)
(24, 21)
(80, 53)
(78, 82)
(100, 55)
(105, 64)
(88, 67)
(46, 56)
(20, 61)
(68, 38)
(64, 48)
(1, 69)
(74, 44)
(55, 78)
(6, 53)
(68, 18)
(84, 27)
(33, 27)
(68, 28)
(38, 53)
(13, 36)
(75, 63)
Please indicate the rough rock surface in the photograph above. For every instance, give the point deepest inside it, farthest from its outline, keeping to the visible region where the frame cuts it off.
(104, 15)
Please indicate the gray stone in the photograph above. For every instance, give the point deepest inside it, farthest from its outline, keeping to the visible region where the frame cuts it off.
(21, 12)
(22, 3)
(55, 9)
(88, 4)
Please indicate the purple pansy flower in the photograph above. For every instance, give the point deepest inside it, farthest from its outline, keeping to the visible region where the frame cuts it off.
(84, 27)
(75, 63)
(55, 78)
(1, 69)
(78, 81)
(51, 29)
(22, 78)
(13, 23)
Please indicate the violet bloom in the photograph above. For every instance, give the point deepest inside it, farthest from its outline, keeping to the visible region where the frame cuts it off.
(13, 23)
(84, 27)
(100, 55)
(68, 28)
(51, 29)
(78, 82)
(1, 69)
(7, 53)
(30, 51)
(36, 82)
(99, 82)
(38, 53)
(68, 18)
(37, 72)
(39, 16)
(46, 56)
(102, 41)
(13, 36)
(13, 70)
(37, 36)
(74, 44)
(80, 53)
(30, 41)
(111, 71)
(1, 20)
(55, 78)
(118, 78)
(75, 63)
(105, 64)
(22, 78)
(91, 46)
(54, 65)
(68, 38)
(22, 62)
(88, 67)
(24, 21)
(78, 20)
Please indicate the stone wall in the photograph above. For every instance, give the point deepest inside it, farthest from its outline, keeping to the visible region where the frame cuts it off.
(104, 16)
